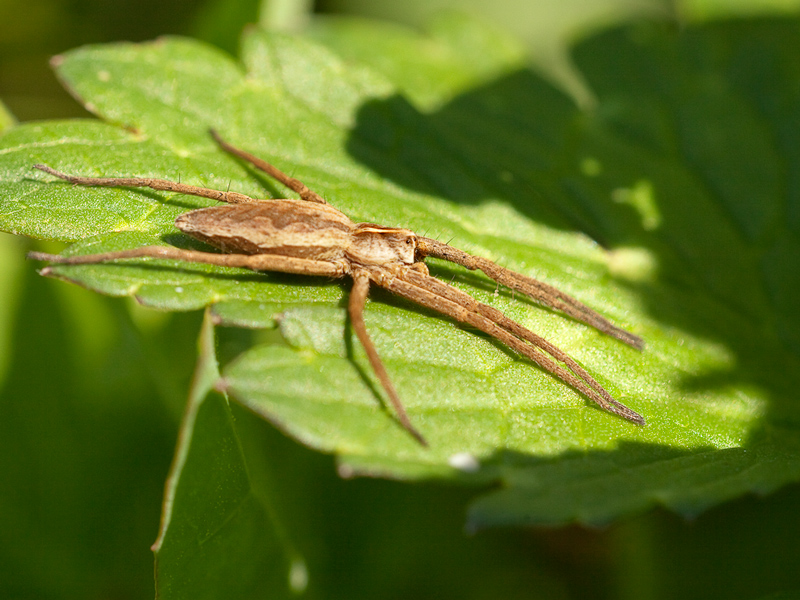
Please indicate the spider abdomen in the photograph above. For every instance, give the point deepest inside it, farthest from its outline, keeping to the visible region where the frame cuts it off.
(286, 227)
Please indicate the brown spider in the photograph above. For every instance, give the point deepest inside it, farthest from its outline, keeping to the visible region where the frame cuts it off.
(313, 238)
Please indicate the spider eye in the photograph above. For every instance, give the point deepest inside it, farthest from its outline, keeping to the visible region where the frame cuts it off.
(409, 240)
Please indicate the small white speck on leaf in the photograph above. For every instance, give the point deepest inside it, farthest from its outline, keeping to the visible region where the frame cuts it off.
(464, 461)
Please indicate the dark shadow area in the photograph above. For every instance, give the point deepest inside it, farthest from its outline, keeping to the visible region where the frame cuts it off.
(690, 154)
(739, 549)
(565, 487)
(84, 448)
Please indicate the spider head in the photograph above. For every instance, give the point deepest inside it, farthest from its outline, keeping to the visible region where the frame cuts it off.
(376, 245)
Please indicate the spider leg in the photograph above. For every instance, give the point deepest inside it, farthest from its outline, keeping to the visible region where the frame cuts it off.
(290, 182)
(156, 184)
(533, 288)
(256, 262)
(358, 298)
(437, 295)
(465, 300)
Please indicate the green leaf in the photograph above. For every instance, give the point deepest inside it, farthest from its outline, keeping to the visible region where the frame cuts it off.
(671, 207)
(85, 441)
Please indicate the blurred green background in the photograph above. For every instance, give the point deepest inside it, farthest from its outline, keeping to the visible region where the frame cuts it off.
(92, 389)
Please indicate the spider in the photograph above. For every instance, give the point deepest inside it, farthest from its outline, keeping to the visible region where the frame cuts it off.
(310, 237)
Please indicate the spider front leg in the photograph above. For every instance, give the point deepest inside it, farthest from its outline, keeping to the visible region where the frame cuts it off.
(533, 288)
(434, 294)
(358, 298)
(468, 302)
